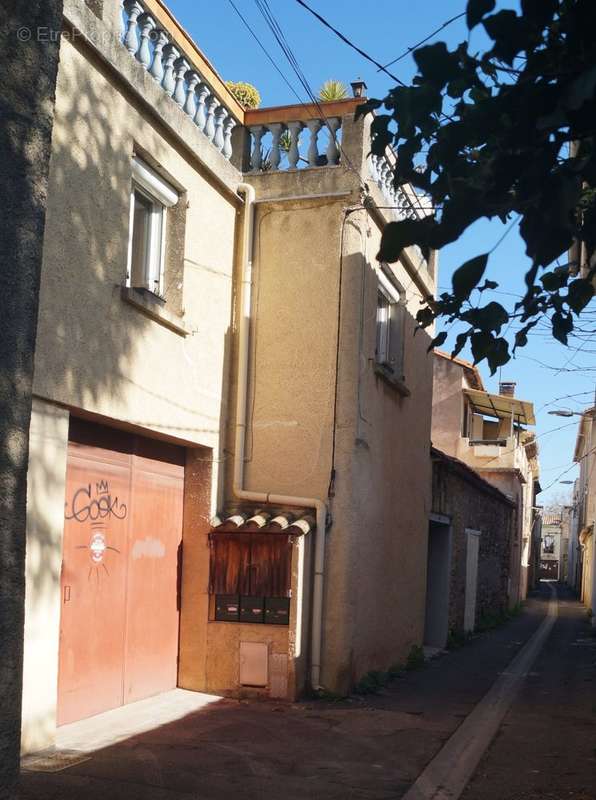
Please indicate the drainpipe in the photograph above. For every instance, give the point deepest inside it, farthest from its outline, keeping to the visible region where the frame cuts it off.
(240, 439)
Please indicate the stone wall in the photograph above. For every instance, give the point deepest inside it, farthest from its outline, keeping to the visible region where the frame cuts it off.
(471, 503)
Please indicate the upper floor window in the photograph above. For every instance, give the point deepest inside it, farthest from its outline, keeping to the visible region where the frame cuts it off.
(390, 328)
(150, 199)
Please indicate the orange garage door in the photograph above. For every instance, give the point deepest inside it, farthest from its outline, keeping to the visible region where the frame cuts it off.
(120, 570)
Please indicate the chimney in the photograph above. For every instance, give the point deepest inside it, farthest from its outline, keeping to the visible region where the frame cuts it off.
(507, 388)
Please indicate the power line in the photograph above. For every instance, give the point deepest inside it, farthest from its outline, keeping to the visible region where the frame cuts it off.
(264, 49)
(349, 43)
(422, 41)
(269, 17)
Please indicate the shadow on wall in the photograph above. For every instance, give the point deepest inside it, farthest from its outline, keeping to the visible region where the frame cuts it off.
(86, 336)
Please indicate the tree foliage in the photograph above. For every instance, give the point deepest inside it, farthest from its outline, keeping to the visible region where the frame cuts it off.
(506, 133)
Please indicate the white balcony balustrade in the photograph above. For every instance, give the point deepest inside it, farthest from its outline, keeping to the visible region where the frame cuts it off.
(155, 50)
(296, 144)
(401, 204)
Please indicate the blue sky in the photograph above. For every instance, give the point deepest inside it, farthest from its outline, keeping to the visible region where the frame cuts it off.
(385, 29)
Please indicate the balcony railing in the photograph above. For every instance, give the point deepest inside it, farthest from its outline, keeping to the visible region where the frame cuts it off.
(156, 51)
(402, 203)
(297, 137)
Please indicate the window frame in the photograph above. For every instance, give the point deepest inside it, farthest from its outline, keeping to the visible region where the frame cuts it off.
(395, 322)
(161, 196)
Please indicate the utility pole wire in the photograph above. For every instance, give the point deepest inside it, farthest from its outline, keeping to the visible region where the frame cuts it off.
(422, 41)
(349, 43)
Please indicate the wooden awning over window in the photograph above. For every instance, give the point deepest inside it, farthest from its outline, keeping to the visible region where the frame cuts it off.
(253, 555)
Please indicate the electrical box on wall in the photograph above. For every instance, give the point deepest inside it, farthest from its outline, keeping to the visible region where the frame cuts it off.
(254, 668)
(277, 610)
(227, 607)
(251, 609)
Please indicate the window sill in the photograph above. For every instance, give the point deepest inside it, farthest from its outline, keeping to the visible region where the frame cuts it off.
(153, 308)
(393, 381)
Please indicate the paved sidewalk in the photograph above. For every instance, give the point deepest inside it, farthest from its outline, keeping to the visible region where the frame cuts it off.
(372, 747)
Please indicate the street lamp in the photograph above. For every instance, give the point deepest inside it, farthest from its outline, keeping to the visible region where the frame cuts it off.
(567, 482)
(565, 412)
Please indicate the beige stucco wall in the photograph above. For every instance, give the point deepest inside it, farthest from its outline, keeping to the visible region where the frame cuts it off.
(376, 547)
(210, 649)
(448, 405)
(48, 441)
(96, 354)
(94, 351)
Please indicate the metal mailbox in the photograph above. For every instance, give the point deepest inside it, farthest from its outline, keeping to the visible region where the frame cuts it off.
(277, 610)
(227, 607)
(251, 609)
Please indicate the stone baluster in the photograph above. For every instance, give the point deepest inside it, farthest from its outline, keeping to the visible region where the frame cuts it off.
(276, 129)
(256, 158)
(156, 69)
(146, 26)
(228, 127)
(314, 126)
(374, 167)
(295, 129)
(332, 152)
(209, 129)
(170, 54)
(384, 175)
(190, 106)
(131, 39)
(181, 67)
(221, 112)
(201, 92)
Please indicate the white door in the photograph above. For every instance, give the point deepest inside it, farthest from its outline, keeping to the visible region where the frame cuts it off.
(472, 548)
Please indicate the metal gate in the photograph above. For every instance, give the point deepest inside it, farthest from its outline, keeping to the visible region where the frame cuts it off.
(120, 570)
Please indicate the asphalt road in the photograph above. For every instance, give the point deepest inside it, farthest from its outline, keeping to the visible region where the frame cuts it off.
(363, 748)
(546, 746)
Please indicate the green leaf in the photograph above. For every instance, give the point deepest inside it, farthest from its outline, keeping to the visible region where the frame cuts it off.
(476, 9)
(425, 317)
(580, 292)
(562, 326)
(488, 285)
(480, 342)
(498, 354)
(468, 275)
(437, 341)
(491, 317)
(397, 235)
(366, 108)
(436, 64)
(521, 337)
(555, 280)
(460, 343)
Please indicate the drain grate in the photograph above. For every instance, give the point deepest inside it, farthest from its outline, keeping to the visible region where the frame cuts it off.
(54, 761)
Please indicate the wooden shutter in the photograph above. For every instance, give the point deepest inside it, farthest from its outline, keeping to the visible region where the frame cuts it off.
(229, 571)
(271, 565)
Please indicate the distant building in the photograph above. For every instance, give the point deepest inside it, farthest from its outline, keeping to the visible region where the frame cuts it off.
(584, 513)
(488, 432)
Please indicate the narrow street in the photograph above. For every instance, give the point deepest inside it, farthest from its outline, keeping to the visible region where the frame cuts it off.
(372, 747)
(546, 747)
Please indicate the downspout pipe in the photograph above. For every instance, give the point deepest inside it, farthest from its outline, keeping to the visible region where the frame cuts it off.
(240, 440)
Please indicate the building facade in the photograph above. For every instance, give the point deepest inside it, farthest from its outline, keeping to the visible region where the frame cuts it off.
(488, 433)
(472, 526)
(584, 513)
(231, 412)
